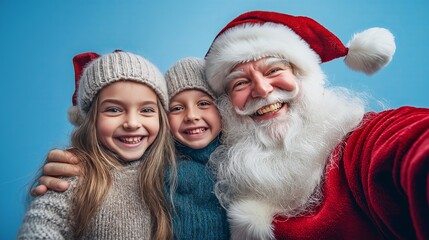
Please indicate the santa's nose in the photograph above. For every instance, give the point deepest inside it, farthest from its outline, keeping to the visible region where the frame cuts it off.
(261, 87)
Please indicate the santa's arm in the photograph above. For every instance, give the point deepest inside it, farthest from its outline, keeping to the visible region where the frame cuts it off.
(387, 162)
(414, 178)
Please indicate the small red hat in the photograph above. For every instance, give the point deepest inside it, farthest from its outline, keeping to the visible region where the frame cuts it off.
(300, 40)
(79, 63)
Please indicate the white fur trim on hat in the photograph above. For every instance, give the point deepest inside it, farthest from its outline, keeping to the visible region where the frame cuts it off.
(370, 50)
(249, 42)
(251, 219)
(74, 115)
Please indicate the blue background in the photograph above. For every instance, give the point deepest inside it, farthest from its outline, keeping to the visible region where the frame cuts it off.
(39, 38)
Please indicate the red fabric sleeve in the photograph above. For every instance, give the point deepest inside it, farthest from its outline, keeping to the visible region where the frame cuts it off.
(386, 163)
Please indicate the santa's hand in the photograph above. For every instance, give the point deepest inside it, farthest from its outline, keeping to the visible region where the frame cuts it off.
(60, 163)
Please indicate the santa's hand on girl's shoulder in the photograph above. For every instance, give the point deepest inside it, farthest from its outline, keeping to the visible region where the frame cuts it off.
(59, 163)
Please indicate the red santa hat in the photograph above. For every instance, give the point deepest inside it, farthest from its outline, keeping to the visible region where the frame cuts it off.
(79, 62)
(300, 40)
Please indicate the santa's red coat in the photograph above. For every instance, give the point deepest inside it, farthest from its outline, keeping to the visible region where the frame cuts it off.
(378, 186)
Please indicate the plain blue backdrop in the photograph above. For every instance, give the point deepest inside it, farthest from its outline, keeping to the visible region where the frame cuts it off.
(39, 38)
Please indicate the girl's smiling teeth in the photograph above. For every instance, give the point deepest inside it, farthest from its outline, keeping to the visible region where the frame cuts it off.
(130, 140)
(195, 131)
(268, 109)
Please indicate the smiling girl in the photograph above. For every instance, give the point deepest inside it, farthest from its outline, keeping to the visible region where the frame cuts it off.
(124, 143)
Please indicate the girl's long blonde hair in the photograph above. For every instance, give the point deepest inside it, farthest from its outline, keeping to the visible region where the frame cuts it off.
(97, 162)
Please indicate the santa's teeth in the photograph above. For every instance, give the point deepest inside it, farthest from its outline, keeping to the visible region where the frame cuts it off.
(269, 108)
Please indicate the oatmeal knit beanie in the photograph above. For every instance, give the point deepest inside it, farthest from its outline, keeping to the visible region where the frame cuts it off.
(185, 74)
(93, 72)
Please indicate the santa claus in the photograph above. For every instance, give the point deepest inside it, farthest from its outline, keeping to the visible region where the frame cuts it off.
(301, 160)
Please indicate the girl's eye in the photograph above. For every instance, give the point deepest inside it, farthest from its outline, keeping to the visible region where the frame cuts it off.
(113, 110)
(148, 110)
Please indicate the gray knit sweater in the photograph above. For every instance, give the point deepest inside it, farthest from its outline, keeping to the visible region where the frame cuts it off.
(121, 215)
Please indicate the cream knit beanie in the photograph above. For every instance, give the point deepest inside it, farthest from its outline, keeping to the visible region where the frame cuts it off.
(108, 69)
(185, 74)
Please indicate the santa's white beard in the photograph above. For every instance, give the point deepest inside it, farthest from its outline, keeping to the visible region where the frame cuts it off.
(281, 161)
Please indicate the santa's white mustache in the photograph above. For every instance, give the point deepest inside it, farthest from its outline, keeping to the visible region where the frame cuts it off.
(276, 96)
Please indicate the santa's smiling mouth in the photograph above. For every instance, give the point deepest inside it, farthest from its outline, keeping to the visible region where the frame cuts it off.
(269, 109)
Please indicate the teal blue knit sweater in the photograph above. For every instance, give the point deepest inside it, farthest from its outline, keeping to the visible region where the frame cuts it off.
(198, 214)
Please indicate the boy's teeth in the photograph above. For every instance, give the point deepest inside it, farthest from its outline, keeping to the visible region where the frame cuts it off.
(269, 108)
(196, 131)
(131, 140)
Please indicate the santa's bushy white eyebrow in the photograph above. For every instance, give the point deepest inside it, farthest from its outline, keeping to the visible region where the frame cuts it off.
(275, 61)
(233, 75)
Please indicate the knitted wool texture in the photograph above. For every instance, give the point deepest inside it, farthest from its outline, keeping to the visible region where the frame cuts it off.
(198, 214)
(121, 215)
(117, 66)
(187, 73)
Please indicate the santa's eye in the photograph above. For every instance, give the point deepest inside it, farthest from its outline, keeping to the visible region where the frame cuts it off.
(239, 84)
(274, 70)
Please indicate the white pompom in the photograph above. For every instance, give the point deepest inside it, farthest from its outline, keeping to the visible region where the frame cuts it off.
(370, 50)
(251, 219)
(74, 115)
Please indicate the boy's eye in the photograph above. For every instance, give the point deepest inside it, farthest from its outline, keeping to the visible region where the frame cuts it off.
(204, 103)
(176, 108)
